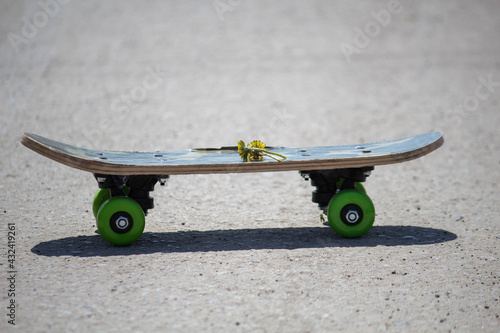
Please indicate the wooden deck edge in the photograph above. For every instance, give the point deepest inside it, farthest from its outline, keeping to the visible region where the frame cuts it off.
(240, 167)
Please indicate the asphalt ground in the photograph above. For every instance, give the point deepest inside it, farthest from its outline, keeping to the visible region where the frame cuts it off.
(248, 252)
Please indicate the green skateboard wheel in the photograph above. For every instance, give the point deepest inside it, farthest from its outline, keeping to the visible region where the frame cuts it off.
(101, 196)
(351, 213)
(120, 220)
(360, 187)
(357, 186)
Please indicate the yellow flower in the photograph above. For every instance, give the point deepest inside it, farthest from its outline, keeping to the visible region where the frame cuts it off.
(243, 150)
(257, 144)
(255, 151)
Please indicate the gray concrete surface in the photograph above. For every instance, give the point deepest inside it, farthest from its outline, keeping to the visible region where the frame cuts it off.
(248, 253)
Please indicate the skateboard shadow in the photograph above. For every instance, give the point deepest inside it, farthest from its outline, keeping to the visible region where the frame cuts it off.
(241, 240)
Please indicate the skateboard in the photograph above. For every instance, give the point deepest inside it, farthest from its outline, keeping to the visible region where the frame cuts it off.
(125, 179)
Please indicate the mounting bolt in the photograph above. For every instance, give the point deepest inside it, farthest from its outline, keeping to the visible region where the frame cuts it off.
(352, 216)
(163, 180)
(304, 175)
(122, 222)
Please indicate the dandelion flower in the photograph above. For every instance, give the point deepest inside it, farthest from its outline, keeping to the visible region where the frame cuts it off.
(255, 151)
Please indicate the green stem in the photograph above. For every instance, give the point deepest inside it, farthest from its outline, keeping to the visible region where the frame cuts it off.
(267, 153)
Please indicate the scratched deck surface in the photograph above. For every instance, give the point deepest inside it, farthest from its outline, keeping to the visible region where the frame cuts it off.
(227, 159)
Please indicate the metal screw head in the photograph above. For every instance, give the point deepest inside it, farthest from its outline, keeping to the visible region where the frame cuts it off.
(304, 175)
(352, 216)
(122, 222)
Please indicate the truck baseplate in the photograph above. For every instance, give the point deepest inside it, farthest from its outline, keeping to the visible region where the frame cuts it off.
(135, 187)
(329, 182)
